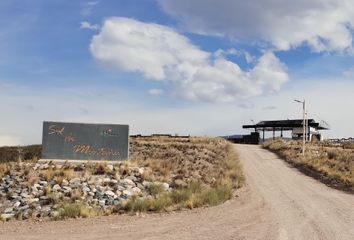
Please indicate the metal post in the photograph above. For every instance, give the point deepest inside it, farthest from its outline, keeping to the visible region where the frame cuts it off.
(273, 133)
(304, 127)
(307, 128)
(304, 133)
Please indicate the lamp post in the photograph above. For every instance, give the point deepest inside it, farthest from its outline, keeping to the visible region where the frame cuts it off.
(303, 124)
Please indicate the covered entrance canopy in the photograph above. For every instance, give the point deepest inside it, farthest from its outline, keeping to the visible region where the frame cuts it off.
(288, 125)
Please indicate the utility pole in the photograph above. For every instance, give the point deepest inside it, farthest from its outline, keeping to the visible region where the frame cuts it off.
(304, 123)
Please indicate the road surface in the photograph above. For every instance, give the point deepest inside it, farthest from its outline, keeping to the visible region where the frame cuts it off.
(278, 202)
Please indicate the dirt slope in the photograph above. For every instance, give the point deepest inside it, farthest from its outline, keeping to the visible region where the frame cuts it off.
(277, 203)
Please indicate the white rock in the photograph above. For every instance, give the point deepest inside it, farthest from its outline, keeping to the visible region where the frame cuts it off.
(65, 182)
(44, 183)
(113, 181)
(146, 183)
(75, 181)
(106, 180)
(109, 193)
(128, 193)
(8, 210)
(128, 181)
(46, 208)
(7, 216)
(110, 167)
(136, 190)
(17, 204)
(33, 200)
(67, 189)
(23, 207)
(141, 171)
(56, 188)
(54, 214)
(24, 195)
(36, 166)
(102, 202)
(165, 186)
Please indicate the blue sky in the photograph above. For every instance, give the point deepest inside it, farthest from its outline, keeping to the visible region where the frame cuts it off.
(188, 67)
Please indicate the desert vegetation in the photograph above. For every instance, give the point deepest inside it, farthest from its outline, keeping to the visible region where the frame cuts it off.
(331, 163)
(163, 174)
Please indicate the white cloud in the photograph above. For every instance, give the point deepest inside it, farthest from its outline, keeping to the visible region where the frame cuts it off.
(98, 104)
(324, 25)
(232, 51)
(155, 92)
(93, 3)
(88, 25)
(7, 140)
(349, 73)
(88, 8)
(162, 54)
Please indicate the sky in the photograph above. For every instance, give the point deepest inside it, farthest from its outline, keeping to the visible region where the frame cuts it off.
(198, 67)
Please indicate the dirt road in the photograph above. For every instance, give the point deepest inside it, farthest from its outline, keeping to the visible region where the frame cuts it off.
(277, 203)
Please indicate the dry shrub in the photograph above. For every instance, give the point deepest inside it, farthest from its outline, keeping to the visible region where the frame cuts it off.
(210, 160)
(76, 210)
(31, 180)
(12, 154)
(155, 189)
(330, 163)
(3, 169)
(123, 168)
(57, 174)
(161, 168)
(194, 195)
(100, 168)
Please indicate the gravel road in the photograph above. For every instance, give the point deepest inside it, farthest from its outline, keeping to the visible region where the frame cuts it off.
(278, 202)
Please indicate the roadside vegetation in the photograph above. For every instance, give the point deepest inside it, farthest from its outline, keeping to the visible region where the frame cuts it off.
(333, 164)
(163, 174)
(203, 172)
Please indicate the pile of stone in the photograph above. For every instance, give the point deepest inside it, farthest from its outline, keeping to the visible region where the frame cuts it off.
(23, 198)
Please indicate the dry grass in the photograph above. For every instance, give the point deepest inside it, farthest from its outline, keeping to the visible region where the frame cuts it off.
(57, 174)
(330, 163)
(3, 169)
(76, 210)
(195, 195)
(211, 161)
(13, 154)
(210, 167)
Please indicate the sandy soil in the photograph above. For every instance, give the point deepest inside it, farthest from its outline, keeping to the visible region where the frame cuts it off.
(277, 203)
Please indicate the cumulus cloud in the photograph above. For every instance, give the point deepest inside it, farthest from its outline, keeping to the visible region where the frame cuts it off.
(160, 53)
(323, 25)
(88, 25)
(232, 51)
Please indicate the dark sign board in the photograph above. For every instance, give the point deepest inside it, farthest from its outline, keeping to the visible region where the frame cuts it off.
(82, 141)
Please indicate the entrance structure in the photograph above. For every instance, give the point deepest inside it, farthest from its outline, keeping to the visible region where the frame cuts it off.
(295, 126)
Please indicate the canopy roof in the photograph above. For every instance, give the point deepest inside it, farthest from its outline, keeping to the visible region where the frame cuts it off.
(285, 125)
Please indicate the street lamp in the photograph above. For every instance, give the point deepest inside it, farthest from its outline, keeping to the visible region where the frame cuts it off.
(303, 124)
